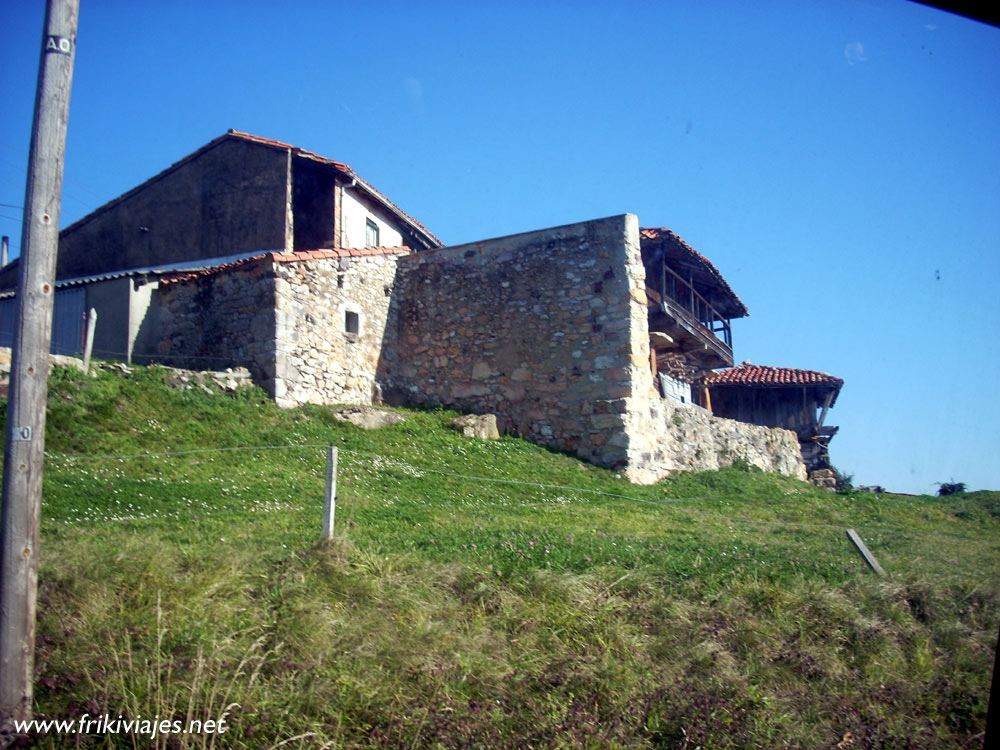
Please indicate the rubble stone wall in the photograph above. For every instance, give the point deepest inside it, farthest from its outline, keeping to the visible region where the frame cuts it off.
(672, 437)
(534, 328)
(220, 320)
(320, 356)
(548, 330)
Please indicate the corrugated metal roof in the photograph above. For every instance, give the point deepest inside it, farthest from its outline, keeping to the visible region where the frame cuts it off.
(188, 265)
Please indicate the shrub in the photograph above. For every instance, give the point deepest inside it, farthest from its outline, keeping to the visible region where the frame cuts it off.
(845, 482)
(950, 488)
(741, 463)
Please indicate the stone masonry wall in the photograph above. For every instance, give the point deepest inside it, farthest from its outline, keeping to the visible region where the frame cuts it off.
(219, 320)
(317, 359)
(548, 330)
(688, 438)
(665, 438)
(533, 328)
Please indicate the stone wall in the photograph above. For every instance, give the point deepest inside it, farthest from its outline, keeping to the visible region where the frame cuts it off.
(534, 328)
(547, 330)
(687, 438)
(323, 357)
(664, 438)
(221, 319)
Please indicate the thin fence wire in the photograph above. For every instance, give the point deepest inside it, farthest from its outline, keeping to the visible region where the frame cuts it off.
(662, 502)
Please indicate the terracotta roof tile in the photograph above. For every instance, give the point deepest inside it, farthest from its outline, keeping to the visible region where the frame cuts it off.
(760, 375)
(654, 234)
(284, 257)
(212, 270)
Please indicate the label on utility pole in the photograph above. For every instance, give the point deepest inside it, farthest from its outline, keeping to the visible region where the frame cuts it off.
(22, 433)
(58, 44)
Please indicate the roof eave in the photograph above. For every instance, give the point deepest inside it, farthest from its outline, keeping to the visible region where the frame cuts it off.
(418, 229)
(344, 169)
(734, 307)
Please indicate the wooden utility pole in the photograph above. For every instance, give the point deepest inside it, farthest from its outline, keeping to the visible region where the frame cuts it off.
(992, 736)
(24, 447)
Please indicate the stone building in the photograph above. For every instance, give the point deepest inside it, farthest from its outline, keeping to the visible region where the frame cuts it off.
(691, 307)
(238, 196)
(549, 330)
(584, 337)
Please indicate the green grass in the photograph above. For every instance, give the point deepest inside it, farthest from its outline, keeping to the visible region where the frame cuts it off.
(719, 609)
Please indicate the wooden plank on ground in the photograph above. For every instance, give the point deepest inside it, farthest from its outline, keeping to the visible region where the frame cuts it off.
(865, 552)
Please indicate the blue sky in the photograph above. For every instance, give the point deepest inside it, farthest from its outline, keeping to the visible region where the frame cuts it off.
(838, 161)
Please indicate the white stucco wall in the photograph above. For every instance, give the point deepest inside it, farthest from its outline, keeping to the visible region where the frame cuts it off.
(674, 390)
(354, 212)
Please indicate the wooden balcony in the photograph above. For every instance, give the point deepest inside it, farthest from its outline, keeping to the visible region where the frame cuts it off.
(698, 329)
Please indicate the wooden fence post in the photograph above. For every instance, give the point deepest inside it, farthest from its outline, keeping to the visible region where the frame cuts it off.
(88, 345)
(330, 504)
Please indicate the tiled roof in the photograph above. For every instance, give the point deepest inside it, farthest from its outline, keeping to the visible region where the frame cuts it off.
(352, 252)
(655, 234)
(285, 257)
(761, 375)
(338, 165)
(344, 169)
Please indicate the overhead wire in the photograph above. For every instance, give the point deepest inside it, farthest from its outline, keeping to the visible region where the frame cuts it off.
(664, 502)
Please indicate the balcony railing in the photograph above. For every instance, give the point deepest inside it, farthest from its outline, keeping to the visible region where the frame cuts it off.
(680, 291)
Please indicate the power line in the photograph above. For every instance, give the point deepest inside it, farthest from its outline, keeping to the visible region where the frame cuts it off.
(170, 454)
(664, 502)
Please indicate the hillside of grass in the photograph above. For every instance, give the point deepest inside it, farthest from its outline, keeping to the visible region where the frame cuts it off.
(483, 594)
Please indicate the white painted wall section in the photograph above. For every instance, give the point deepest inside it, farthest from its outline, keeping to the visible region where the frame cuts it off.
(674, 390)
(355, 212)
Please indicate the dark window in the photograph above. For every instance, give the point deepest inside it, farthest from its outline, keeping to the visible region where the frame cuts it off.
(352, 324)
(371, 233)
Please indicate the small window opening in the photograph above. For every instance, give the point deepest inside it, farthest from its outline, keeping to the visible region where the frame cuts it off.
(352, 324)
(371, 233)
(340, 281)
